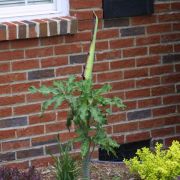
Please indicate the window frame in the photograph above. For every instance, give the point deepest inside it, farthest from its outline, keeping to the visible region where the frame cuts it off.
(58, 8)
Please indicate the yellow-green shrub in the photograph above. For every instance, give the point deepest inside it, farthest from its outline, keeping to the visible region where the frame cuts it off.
(158, 165)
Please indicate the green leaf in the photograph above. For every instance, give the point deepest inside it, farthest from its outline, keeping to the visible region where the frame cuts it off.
(33, 90)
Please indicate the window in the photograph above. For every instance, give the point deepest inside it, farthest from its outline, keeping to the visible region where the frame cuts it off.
(11, 10)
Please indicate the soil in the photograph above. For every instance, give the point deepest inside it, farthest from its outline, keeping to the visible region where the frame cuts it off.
(99, 171)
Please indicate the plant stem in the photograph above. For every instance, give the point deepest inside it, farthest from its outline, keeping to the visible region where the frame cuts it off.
(86, 167)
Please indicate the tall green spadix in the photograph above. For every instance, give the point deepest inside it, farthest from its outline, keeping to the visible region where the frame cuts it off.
(90, 60)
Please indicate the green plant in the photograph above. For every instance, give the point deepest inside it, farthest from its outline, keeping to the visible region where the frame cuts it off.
(88, 109)
(65, 166)
(158, 165)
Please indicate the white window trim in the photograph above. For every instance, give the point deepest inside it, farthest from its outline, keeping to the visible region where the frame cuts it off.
(58, 8)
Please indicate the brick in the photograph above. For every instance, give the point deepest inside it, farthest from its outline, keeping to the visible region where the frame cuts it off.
(17, 144)
(149, 102)
(12, 30)
(161, 70)
(160, 49)
(5, 89)
(171, 99)
(10, 100)
(24, 43)
(120, 22)
(10, 156)
(39, 52)
(52, 28)
(55, 127)
(42, 162)
(137, 137)
(118, 128)
(66, 136)
(170, 78)
(54, 40)
(162, 90)
(78, 59)
(118, 139)
(4, 67)
(175, 6)
(115, 118)
(176, 27)
(158, 28)
(7, 134)
(103, 45)
(169, 18)
(142, 114)
(36, 97)
(131, 52)
(11, 55)
(23, 87)
(30, 131)
(168, 141)
(4, 45)
(2, 32)
(163, 132)
(54, 61)
(171, 120)
(52, 149)
(139, 20)
(147, 61)
(86, 14)
(13, 122)
(163, 7)
(171, 58)
(43, 140)
(47, 117)
(29, 153)
(150, 81)
(121, 43)
(177, 48)
(27, 109)
(5, 112)
(132, 31)
(68, 70)
(162, 111)
(13, 77)
(148, 40)
(137, 93)
(84, 36)
(147, 124)
(77, 4)
(170, 38)
(32, 29)
(128, 84)
(41, 74)
(25, 65)
(22, 30)
(128, 63)
(85, 25)
(108, 33)
(177, 129)
(108, 55)
(98, 67)
(109, 76)
(67, 49)
(135, 73)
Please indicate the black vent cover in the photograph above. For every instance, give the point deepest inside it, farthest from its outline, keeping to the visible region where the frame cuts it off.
(127, 8)
(124, 151)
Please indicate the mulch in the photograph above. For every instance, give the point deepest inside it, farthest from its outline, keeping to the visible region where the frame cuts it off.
(99, 171)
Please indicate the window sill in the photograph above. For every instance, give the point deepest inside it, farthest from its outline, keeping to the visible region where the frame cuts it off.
(38, 28)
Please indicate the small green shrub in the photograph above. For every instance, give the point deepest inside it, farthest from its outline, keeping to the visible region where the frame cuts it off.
(65, 166)
(158, 165)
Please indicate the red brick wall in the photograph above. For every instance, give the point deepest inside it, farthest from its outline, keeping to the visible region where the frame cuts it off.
(139, 57)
